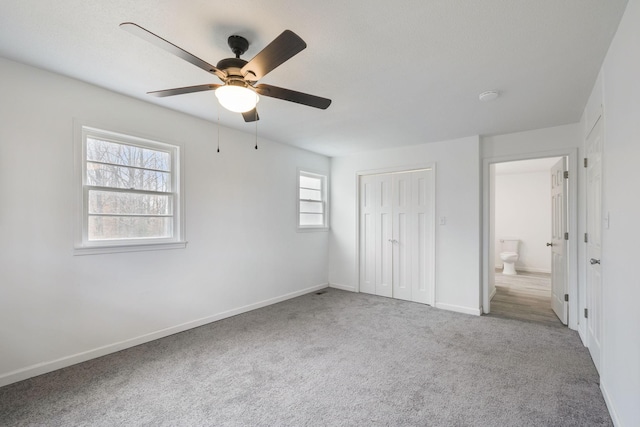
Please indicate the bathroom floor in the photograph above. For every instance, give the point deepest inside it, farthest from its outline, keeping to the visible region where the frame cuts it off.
(525, 296)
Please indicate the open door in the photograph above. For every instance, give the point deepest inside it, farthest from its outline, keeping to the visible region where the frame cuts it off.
(559, 302)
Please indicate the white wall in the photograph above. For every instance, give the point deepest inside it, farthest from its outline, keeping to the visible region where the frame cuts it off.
(243, 250)
(531, 144)
(523, 211)
(620, 364)
(457, 199)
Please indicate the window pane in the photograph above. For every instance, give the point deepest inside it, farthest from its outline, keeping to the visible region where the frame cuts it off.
(109, 202)
(309, 182)
(123, 227)
(310, 194)
(311, 207)
(127, 155)
(123, 177)
(311, 219)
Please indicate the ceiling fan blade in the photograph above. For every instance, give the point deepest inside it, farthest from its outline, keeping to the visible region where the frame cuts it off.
(293, 96)
(181, 90)
(251, 116)
(152, 38)
(277, 52)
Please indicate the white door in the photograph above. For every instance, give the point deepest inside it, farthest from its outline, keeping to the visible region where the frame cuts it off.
(594, 241)
(403, 234)
(375, 235)
(396, 235)
(558, 241)
(422, 266)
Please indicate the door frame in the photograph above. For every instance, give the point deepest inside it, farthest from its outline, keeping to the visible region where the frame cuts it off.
(572, 225)
(400, 169)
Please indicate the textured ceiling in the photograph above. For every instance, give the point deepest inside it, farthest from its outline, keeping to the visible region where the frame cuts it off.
(399, 73)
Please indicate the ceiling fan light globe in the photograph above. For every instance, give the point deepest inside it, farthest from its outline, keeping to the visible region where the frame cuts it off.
(237, 98)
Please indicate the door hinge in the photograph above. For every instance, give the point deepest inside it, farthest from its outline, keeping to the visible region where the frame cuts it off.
(586, 313)
(566, 174)
(586, 238)
(566, 236)
(586, 162)
(566, 297)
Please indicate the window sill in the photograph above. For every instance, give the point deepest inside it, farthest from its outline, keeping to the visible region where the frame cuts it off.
(311, 229)
(95, 250)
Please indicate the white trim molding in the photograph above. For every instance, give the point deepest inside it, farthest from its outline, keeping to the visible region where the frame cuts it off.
(572, 255)
(459, 309)
(63, 362)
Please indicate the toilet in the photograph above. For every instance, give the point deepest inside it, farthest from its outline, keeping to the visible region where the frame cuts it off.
(509, 255)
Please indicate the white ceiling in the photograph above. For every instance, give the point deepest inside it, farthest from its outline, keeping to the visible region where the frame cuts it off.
(399, 73)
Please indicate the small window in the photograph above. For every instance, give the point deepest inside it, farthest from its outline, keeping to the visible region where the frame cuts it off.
(312, 201)
(130, 193)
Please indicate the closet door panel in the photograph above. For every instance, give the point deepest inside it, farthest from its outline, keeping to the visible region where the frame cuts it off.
(402, 226)
(397, 235)
(384, 272)
(368, 238)
(422, 244)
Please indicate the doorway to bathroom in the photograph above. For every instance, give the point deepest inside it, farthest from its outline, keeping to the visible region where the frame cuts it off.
(528, 232)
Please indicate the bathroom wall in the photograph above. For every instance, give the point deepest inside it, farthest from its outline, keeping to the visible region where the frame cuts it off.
(523, 211)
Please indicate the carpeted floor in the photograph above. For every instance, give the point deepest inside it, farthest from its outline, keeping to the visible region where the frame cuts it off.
(333, 359)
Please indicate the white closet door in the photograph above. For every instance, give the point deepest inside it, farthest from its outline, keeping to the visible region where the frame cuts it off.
(422, 273)
(375, 235)
(384, 272)
(397, 235)
(402, 235)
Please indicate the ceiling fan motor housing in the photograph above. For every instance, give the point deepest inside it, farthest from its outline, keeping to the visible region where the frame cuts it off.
(238, 45)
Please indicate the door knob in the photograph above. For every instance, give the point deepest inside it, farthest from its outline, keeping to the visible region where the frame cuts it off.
(549, 244)
(594, 261)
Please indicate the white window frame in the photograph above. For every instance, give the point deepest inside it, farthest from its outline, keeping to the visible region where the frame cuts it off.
(82, 244)
(325, 200)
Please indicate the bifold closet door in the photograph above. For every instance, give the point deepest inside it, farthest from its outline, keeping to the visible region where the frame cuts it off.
(412, 236)
(375, 235)
(396, 235)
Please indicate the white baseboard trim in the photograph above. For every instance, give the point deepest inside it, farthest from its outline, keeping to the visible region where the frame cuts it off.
(342, 287)
(493, 293)
(526, 269)
(459, 308)
(582, 334)
(63, 362)
(609, 403)
(534, 270)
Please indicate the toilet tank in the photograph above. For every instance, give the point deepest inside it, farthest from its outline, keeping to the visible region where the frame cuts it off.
(509, 244)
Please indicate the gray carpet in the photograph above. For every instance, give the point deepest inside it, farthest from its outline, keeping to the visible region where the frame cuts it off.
(334, 359)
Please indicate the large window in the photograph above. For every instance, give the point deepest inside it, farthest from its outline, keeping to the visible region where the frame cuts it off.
(312, 201)
(130, 196)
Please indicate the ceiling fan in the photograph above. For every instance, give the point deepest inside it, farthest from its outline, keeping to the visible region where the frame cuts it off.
(239, 91)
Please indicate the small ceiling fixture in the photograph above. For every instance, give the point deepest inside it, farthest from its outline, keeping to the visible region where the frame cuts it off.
(489, 95)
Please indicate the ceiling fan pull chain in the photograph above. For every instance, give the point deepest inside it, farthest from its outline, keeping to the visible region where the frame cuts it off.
(256, 112)
(218, 111)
